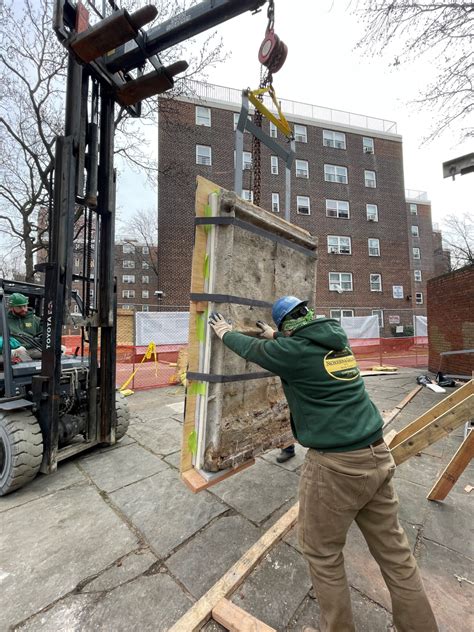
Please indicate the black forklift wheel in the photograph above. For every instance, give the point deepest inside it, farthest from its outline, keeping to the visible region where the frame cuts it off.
(21, 449)
(123, 415)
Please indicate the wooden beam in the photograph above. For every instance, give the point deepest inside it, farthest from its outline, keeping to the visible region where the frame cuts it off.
(432, 431)
(236, 619)
(436, 411)
(195, 617)
(389, 437)
(197, 483)
(454, 469)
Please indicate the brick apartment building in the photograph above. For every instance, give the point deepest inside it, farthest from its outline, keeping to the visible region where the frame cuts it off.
(376, 241)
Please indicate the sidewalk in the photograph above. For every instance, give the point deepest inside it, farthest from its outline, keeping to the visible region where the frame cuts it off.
(115, 542)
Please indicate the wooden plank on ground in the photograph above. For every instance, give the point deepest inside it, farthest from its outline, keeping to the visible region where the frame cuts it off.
(236, 619)
(197, 483)
(433, 431)
(195, 617)
(434, 412)
(454, 469)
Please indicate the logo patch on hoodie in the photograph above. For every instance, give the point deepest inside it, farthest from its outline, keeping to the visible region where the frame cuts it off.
(341, 365)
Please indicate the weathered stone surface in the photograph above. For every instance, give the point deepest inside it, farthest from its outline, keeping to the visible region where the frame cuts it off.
(274, 591)
(122, 571)
(270, 488)
(51, 544)
(66, 475)
(413, 503)
(292, 464)
(71, 613)
(422, 470)
(161, 436)
(173, 459)
(112, 470)
(165, 511)
(126, 440)
(450, 523)
(228, 538)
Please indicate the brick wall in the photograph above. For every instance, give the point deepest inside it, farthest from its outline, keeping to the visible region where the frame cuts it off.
(451, 321)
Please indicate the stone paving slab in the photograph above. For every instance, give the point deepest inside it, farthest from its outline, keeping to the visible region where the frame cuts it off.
(113, 470)
(165, 511)
(413, 505)
(450, 523)
(422, 470)
(292, 464)
(122, 571)
(275, 589)
(173, 459)
(161, 436)
(66, 475)
(71, 613)
(258, 491)
(228, 538)
(48, 546)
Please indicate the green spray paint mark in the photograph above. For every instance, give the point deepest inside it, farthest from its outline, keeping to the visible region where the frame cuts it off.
(201, 326)
(197, 388)
(206, 267)
(192, 442)
(207, 213)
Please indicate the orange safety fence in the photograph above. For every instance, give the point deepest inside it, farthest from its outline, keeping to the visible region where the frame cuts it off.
(399, 352)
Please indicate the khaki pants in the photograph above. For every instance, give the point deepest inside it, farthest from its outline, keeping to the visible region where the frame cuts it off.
(335, 489)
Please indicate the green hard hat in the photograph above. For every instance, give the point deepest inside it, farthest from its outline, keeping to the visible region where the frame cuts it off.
(17, 300)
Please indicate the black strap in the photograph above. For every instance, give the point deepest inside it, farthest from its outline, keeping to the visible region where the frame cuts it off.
(218, 379)
(227, 298)
(254, 229)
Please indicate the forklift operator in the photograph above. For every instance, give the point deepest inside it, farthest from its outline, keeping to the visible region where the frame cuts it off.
(24, 323)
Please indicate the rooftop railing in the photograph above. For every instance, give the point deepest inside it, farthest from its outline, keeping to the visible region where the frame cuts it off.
(212, 92)
(413, 194)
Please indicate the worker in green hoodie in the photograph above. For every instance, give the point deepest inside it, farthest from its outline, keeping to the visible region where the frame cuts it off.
(348, 468)
(24, 323)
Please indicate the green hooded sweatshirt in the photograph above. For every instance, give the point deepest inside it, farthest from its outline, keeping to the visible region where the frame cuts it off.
(29, 324)
(330, 408)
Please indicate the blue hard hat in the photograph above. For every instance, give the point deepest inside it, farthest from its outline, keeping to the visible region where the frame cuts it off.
(283, 306)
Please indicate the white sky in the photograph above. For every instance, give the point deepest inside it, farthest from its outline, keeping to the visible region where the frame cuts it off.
(322, 68)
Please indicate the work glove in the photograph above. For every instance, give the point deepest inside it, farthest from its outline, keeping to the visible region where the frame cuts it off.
(219, 324)
(267, 331)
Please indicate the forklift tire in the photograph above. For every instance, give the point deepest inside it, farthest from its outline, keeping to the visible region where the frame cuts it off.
(123, 416)
(21, 449)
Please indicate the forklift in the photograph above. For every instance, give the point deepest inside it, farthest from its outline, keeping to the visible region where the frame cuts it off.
(56, 405)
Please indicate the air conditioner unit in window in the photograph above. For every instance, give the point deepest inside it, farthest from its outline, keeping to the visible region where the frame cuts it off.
(368, 150)
(371, 219)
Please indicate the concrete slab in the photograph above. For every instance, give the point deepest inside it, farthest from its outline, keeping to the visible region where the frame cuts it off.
(449, 582)
(413, 503)
(293, 463)
(66, 475)
(450, 523)
(51, 544)
(270, 486)
(165, 511)
(122, 571)
(276, 588)
(71, 613)
(191, 564)
(173, 459)
(113, 470)
(161, 436)
(126, 440)
(422, 470)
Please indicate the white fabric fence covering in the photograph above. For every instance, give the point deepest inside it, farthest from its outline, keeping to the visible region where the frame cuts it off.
(162, 328)
(420, 326)
(361, 326)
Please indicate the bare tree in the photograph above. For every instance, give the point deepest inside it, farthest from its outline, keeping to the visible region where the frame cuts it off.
(458, 236)
(32, 76)
(142, 230)
(442, 32)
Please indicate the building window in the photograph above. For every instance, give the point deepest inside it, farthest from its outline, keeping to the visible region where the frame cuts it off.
(145, 279)
(273, 130)
(375, 282)
(128, 293)
(246, 160)
(340, 281)
(414, 209)
(276, 202)
(128, 263)
(337, 208)
(128, 248)
(274, 165)
(145, 308)
(127, 305)
(419, 298)
(301, 133)
(203, 116)
(302, 168)
(374, 247)
(339, 245)
(145, 294)
(417, 274)
(416, 253)
(415, 232)
(203, 155)
(302, 205)
(372, 212)
(335, 173)
(368, 145)
(334, 139)
(338, 313)
(145, 250)
(370, 179)
(128, 278)
(247, 195)
(379, 313)
(145, 265)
